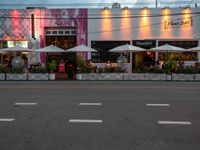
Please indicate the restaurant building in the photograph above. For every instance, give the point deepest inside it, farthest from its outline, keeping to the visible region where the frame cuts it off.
(102, 29)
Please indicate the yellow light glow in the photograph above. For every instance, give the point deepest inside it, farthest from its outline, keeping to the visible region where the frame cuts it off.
(145, 28)
(106, 24)
(125, 23)
(186, 28)
(165, 32)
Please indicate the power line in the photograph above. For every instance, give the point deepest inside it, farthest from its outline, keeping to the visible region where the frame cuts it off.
(107, 17)
(137, 27)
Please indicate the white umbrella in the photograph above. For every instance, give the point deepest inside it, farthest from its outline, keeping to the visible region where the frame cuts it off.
(127, 48)
(81, 48)
(16, 49)
(50, 49)
(1, 52)
(194, 49)
(168, 48)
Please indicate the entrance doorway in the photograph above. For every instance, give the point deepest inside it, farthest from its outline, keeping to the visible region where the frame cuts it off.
(64, 38)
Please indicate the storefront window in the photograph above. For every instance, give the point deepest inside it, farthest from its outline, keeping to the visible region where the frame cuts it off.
(103, 48)
(185, 56)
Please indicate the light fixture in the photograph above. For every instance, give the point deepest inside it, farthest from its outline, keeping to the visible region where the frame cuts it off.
(105, 8)
(165, 8)
(149, 52)
(186, 7)
(125, 8)
(145, 8)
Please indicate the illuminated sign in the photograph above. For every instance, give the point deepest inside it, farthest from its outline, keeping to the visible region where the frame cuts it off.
(186, 22)
(146, 44)
(19, 43)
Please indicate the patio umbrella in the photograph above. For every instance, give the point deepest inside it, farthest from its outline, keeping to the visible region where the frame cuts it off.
(81, 48)
(194, 49)
(1, 52)
(127, 48)
(168, 48)
(16, 49)
(50, 49)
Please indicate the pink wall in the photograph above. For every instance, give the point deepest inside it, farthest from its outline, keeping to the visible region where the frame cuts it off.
(65, 18)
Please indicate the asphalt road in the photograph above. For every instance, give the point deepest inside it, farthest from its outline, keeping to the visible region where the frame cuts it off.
(91, 115)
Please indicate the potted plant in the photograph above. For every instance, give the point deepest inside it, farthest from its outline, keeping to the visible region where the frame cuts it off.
(82, 67)
(38, 73)
(16, 74)
(52, 66)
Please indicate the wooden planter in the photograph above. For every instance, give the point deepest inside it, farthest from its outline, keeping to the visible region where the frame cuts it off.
(13, 76)
(38, 76)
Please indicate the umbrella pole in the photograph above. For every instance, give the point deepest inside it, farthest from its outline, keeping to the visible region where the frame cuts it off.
(131, 62)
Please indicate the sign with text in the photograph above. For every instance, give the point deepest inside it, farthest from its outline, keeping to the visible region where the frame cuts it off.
(185, 22)
(146, 44)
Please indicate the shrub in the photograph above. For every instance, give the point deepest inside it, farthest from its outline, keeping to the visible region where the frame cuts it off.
(2, 69)
(169, 65)
(52, 66)
(188, 70)
(16, 70)
(149, 70)
(83, 66)
(39, 70)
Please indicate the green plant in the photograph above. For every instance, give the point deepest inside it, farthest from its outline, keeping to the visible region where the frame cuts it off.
(52, 66)
(39, 70)
(2, 69)
(169, 64)
(15, 70)
(83, 66)
(187, 70)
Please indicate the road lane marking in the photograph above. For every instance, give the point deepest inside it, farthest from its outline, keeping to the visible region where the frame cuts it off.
(175, 122)
(24, 104)
(158, 105)
(85, 121)
(7, 119)
(90, 104)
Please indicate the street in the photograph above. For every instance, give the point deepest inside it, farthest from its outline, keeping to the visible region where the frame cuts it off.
(99, 115)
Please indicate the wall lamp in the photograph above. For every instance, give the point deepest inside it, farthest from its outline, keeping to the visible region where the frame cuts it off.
(186, 7)
(125, 8)
(105, 8)
(145, 8)
(165, 8)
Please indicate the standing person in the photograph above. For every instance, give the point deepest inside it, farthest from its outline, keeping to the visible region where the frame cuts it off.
(108, 64)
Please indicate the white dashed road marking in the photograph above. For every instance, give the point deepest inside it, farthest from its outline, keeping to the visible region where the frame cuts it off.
(175, 122)
(158, 105)
(90, 104)
(24, 104)
(7, 119)
(85, 121)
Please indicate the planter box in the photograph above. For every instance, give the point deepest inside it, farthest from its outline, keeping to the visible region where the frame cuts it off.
(12, 76)
(197, 77)
(2, 76)
(183, 77)
(38, 76)
(52, 76)
(145, 76)
(100, 76)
